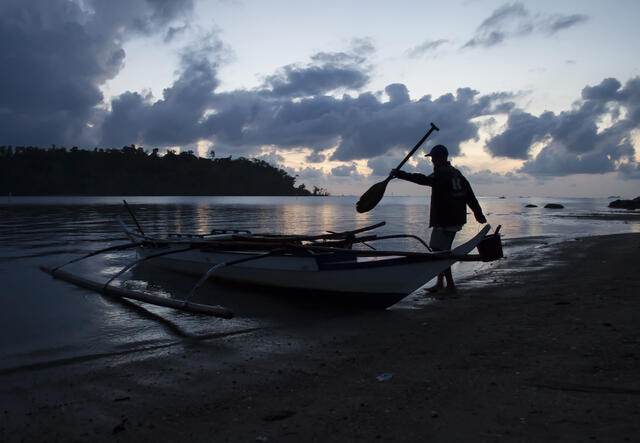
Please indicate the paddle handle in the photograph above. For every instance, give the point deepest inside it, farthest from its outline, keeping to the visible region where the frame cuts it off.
(415, 148)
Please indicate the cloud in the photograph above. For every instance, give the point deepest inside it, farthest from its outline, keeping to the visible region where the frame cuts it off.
(426, 47)
(560, 22)
(327, 72)
(576, 141)
(514, 20)
(55, 56)
(55, 66)
(629, 171)
(309, 173)
(382, 165)
(357, 54)
(486, 177)
(523, 130)
(315, 157)
(344, 171)
(291, 110)
(272, 157)
(377, 128)
(556, 160)
(295, 81)
(175, 119)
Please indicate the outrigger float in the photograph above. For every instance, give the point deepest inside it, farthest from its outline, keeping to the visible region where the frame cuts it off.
(325, 267)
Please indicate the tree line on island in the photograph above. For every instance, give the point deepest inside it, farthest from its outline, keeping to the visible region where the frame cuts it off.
(134, 171)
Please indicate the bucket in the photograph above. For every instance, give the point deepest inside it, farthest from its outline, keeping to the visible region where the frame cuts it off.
(490, 247)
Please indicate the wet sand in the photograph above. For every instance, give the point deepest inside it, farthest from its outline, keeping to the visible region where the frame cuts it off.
(549, 354)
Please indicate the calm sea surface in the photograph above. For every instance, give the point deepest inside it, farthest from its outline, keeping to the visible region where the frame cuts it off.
(43, 319)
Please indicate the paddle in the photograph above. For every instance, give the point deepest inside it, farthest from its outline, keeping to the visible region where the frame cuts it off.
(370, 199)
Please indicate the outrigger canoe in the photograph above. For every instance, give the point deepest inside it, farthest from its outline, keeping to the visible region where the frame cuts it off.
(323, 267)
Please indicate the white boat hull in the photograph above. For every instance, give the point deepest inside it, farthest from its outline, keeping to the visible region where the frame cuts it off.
(344, 278)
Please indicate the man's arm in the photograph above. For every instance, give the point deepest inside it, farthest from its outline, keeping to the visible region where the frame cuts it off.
(419, 179)
(472, 202)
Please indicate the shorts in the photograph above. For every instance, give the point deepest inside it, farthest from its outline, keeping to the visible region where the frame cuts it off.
(442, 237)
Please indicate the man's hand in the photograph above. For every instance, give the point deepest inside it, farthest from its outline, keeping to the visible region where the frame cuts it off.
(480, 218)
(395, 173)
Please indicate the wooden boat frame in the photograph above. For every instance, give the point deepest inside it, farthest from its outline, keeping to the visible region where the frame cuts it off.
(324, 267)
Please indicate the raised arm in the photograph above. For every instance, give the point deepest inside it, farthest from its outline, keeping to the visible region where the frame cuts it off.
(419, 179)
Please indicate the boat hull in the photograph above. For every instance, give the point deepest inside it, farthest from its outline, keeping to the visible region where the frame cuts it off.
(334, 277)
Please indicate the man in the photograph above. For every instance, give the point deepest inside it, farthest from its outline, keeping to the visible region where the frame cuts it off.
(450, 195)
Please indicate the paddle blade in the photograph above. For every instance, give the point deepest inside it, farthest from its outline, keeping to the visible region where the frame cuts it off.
(370, 199)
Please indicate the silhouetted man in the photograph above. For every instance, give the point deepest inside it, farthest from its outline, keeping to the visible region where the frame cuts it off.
(450, 195)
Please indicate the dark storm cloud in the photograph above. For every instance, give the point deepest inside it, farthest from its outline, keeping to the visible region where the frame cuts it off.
(555, 160)
(362, 126)
(175, 119)
(379, 127)
(515, 20)
(55, 55)
(294, 81)
(523, 130)
(629, 171)
(327, 72)
(572, 140)
(345, 171)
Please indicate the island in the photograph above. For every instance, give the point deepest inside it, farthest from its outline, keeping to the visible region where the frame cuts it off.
(132, 170)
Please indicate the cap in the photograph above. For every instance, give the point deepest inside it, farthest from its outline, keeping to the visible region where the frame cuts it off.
(438, 150)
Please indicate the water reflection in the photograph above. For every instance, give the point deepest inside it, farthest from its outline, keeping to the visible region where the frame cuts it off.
(40, 314)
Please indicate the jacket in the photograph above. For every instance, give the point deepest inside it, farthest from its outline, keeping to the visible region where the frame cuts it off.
(450, 195)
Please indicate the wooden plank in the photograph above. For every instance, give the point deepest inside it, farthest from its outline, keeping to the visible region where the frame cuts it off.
(216, 311)
(427, 256)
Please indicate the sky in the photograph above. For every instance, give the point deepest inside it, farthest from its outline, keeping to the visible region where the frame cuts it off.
(532, 98)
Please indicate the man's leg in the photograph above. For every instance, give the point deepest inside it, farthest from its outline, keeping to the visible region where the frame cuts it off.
(441, 240)
(439, 284)
(451, 287)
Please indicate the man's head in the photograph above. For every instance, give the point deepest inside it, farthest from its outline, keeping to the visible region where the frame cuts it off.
(438, 154)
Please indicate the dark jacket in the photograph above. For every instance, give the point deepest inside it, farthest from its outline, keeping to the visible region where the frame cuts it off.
(450, 195)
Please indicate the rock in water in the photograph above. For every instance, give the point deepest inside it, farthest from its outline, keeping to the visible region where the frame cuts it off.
(626, 204)
(531, 206)
(553, 206)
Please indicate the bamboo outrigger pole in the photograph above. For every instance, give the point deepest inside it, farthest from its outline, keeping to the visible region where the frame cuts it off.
(216, 311)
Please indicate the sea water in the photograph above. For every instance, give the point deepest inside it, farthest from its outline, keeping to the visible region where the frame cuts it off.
(44, 320)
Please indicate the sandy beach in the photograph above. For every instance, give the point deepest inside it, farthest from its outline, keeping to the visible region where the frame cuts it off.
(549, 353)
